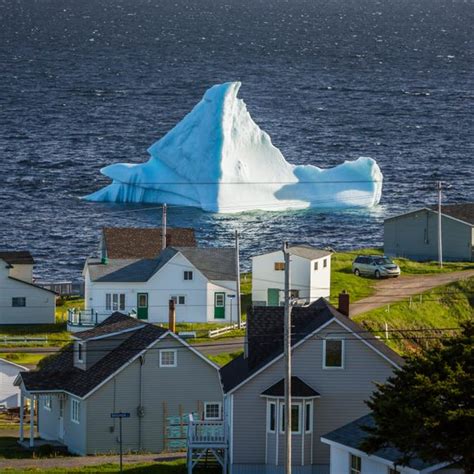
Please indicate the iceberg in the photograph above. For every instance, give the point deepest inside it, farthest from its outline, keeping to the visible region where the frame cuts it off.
(218, 159)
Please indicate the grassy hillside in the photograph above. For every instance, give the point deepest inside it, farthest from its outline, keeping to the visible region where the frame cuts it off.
(442, 307)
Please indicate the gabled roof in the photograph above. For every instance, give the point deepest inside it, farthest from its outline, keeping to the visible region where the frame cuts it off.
(265, 338)
(9, 362)
(352, 435)
(18, 257)
(116, 323)
(214, 263)
(303, 251)
(298, 389)
(140, 243)
(32, 284)
(61, 374)
(461, 212)
(128, 270)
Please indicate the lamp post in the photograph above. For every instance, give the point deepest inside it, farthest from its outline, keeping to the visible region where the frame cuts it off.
(231, 298)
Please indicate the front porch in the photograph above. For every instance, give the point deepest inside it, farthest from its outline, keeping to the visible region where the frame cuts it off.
(81, 320)
(39, 443)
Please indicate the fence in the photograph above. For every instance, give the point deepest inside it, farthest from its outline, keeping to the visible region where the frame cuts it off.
(225, 330)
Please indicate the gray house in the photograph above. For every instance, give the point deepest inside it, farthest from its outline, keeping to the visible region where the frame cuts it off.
(415, 234)
(335, 366)
(122, 365)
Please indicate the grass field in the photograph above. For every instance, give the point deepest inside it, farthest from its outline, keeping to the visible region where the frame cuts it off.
(442, 307)
(225, 357)
(62, 306)
(23, 358)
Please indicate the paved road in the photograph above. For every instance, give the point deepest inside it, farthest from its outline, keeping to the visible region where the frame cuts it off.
(397, 289)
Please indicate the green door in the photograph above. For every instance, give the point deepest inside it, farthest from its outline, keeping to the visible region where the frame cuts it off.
(142, 305)
(273, 297)
(219, 305)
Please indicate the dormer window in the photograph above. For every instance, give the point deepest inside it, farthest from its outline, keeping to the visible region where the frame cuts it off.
(188, 275)
(80, 353)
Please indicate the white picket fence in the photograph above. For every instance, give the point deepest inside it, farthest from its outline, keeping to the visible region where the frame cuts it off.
(22, 340)
(225, 329)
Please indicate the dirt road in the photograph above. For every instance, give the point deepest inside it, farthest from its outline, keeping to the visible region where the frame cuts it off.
(397, 289)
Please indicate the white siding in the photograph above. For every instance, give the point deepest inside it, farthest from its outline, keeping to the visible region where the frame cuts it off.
(9, 394)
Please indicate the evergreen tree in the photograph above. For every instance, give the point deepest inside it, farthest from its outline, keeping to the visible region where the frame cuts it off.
(426, 409)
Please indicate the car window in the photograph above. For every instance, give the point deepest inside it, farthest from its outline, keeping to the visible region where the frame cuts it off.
(384, 261)
(359, 260)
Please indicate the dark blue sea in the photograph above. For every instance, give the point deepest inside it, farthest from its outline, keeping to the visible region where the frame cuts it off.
(87, 83)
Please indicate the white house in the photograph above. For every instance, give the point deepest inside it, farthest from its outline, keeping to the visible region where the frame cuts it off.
(9, 394)
(21, 301)
(201, 281)
(347, 456)
(310, 275)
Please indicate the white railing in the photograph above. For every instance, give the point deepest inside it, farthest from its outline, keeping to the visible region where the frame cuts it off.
(210, 433)
(86, 317)
(22, 340)
(225, 329)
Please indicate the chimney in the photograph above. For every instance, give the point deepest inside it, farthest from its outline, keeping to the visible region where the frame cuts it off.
(344, 302)
(172, 316)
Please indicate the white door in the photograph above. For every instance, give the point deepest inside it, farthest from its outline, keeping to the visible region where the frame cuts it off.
(61, 418)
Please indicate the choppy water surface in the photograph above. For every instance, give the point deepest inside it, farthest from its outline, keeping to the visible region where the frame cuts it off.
(85, 84)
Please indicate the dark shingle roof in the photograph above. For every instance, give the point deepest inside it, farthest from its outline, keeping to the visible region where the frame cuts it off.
(352, 435)
(298, 389)
(139, 243)
(61, 374)
(265, 337)
(115, 323)
(214, 263)
(128, 270)
(17, 257)
(463, 212)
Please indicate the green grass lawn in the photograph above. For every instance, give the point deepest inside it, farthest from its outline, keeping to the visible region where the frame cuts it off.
(62, 306)
(23, 358)
(56, 334)
(225, 357)
(442, 307)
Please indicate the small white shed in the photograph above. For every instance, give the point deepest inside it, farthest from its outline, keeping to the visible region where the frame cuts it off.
(310, 275)
(9, 394)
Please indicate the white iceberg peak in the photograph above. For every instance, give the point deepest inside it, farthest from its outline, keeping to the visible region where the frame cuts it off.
(217, 158)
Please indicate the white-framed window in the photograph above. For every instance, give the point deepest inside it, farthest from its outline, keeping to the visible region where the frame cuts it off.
(333, 353)
(179, 299)
(325, 262)
(212, 410)
(316, 265)
(18, 301)
(75, 410)
(279, 266)
(188, 275)
(80, 352)
(355, 466)
(271, 417)
(47, 402)
(168, 358)
(295, 418)
(308, 417)
(114, 301)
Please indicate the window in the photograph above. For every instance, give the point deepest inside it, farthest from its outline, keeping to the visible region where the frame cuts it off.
(315, 265)
(295, 418)
(308, 417)
(168, 358)
(279, 266)
(178, 299)
(18, 301)
(188, 275)
(356, 465)
(333, 354)
(75, 410)
(294, 294)
(80, 355)
(271, 417)
(47, 402)
(114, 301)
(325, 262)
(212, 411)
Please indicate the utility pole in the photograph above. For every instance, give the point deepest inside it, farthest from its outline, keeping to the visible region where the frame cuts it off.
(163, 228)
(287, 343)
(237, 265)
(439, 186)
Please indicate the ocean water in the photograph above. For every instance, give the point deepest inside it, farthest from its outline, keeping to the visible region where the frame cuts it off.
(84, 84)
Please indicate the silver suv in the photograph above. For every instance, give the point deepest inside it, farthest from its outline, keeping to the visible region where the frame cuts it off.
(375, 265)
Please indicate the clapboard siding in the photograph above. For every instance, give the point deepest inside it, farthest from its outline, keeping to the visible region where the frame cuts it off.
(192, 382)
(343, 392)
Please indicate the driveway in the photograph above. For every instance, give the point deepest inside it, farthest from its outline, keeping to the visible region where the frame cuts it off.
(397, 289)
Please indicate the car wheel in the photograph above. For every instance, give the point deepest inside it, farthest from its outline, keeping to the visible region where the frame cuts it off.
(357, 272)
(377, 274)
